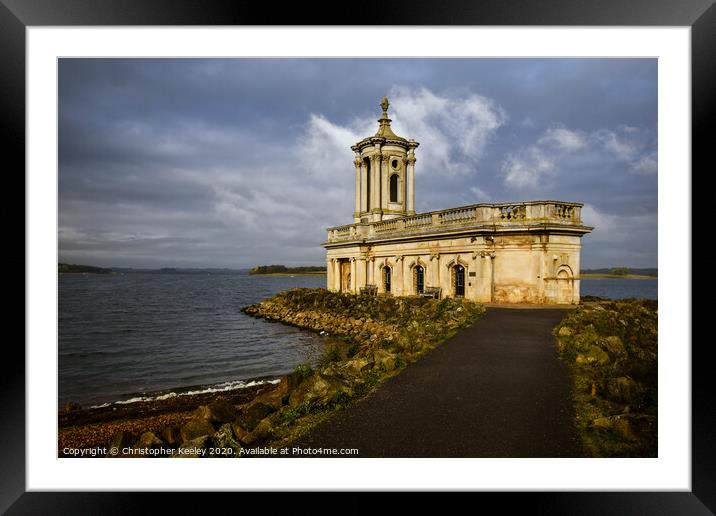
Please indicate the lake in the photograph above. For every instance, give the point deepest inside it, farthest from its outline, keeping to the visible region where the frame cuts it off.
(614, 288)
(129, 336)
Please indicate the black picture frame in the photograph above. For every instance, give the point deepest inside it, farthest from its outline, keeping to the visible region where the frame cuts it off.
(17, 15)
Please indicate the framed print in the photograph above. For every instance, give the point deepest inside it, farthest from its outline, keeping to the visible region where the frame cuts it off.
(181, 153)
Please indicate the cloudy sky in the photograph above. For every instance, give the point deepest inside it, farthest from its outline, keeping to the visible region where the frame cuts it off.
(239, 162)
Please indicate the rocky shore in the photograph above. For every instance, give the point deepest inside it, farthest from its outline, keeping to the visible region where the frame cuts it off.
(378, 337)
(611, 349)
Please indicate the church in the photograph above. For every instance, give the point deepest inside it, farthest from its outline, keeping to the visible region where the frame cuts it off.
(520, 252)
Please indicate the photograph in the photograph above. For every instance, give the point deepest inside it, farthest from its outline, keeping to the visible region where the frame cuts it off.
(382, 257)
(448, 250)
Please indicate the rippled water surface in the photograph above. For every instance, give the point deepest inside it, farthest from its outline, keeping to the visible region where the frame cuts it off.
(126, 335)
(620, 288)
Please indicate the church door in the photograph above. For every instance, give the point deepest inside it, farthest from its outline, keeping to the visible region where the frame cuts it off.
(419, 276)
(459, 275)
(386, 278)
(345, 276)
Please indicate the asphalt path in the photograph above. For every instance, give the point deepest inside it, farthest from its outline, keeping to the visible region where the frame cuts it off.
(496, 389)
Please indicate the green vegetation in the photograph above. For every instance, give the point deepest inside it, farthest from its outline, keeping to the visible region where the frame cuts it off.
(380, 335)
(620, 272)
(611, 351)
(282, 269)
(71, 268)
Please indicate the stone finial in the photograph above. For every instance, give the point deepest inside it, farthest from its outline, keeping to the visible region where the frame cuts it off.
(384, 130)
(384, 104)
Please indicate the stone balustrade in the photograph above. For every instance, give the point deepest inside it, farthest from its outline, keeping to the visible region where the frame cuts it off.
(477, 215)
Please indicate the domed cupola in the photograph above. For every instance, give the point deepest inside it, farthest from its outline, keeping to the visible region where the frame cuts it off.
(384, 173)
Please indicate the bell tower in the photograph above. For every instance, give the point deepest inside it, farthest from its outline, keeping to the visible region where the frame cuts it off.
(384, 173)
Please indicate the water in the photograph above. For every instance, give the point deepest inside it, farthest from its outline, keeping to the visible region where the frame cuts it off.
(620, 288)
(123, 337)
(131, 335)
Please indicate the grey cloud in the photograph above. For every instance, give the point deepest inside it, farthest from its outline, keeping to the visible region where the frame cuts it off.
(234, 162)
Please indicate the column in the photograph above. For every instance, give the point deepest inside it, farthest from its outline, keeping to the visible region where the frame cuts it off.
(410, 205)
(353, 284)
(384, 183)
(375, 182)
(361, 277)
(357, 210)
(363, 188)
(336, 275)
(398, 276)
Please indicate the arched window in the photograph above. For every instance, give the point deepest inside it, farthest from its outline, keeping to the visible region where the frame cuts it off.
(419, 279)
(386, 278)
(394, 188)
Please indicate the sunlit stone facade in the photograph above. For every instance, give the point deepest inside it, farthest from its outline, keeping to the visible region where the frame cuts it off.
(522, 252)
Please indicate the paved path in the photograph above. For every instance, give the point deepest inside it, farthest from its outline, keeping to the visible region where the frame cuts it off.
(496, 389)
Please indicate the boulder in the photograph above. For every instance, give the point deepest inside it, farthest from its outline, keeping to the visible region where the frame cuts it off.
(240, 431)
(193, 448)
(624, 427)
(72, 407)
(216, 412)
(288, 384)
(252, 413)
(260, 434)
(565, 331)
(224, 438)
(273, 398)
(333, 369)
(385, 359)
(149, 440)
(195, 428)
(615, 346)
(358, 365)
(627, 426)
(318, 388)
(171, 435)
(597, 355)
(624, 390)
(602, 423)
(121, 439)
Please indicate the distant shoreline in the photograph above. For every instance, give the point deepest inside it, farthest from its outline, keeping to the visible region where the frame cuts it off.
(613, 276)
(289, 274)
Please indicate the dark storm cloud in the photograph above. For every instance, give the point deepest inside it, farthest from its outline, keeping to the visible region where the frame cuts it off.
(234, 162)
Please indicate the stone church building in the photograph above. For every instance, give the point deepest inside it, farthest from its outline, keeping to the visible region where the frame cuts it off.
(521, 252)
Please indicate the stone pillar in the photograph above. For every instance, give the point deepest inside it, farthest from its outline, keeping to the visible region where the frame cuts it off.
(336, 275)
(363, 187)
(410, 204)
(385, 192)
(375, 182)
(329, 274)
(434, 275)
(491, 261)
(397, 277)
(361, 274)
(356, 213)
(353, 276)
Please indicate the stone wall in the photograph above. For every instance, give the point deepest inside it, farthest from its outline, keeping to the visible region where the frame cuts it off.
(507, 268)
